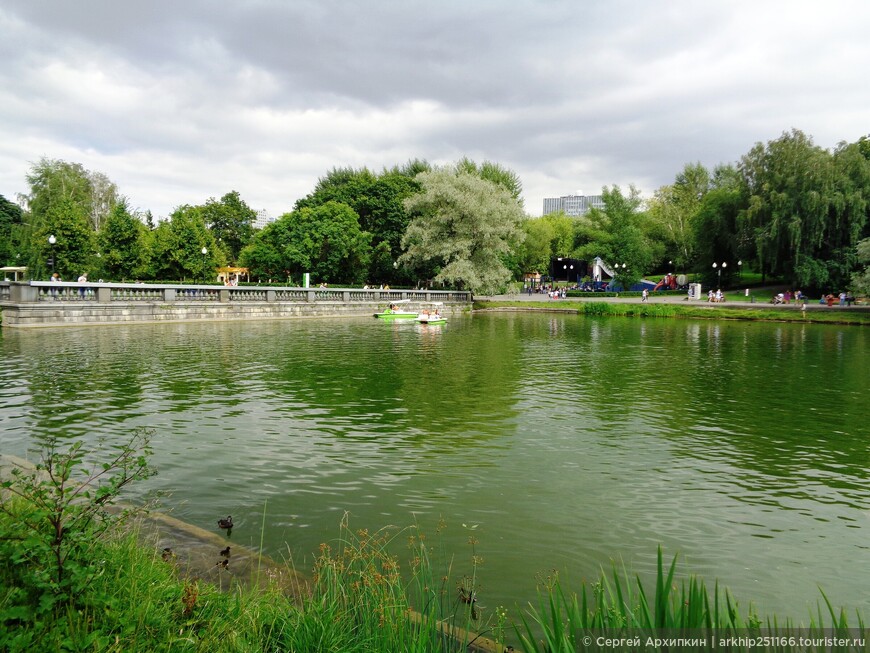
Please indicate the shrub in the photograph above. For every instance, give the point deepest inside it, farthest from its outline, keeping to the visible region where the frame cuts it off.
(51, 522)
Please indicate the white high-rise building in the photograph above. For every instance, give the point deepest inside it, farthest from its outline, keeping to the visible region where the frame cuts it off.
(263, 218)
(574, 205)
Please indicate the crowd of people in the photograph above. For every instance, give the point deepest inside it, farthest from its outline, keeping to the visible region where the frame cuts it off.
(843, 299)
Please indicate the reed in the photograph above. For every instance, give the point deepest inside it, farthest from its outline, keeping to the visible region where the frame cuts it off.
(618, 607)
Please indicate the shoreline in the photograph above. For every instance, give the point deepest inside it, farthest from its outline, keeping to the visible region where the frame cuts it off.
(678, 308)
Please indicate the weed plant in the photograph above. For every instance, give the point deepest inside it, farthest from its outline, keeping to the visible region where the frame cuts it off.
(361, 600)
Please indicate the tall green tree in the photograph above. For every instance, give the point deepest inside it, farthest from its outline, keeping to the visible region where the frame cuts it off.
(231, 221)
(535, 250)
(497, 174)
(325, 240)
(52, 182)
(807, 208)
(178, 247)
(11, 219)
(672, 210)
(104, 197)
(73, 251)
(123, 248)
(564, 231)
(719, 236)
(861, 278)
(264, 255)
(378, 200)
(57, 185)
(465, 225)
(616, 234)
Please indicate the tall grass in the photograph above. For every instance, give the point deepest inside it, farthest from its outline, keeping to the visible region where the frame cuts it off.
(618, 607)
(363, 599)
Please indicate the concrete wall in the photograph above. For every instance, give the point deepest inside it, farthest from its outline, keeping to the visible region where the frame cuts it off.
(35, 304)
(71, 314)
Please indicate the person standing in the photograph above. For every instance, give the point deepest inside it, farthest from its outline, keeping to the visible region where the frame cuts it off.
(55, 277)
(645, 295)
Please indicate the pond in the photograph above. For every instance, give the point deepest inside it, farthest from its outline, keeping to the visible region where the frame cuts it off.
(558, 442)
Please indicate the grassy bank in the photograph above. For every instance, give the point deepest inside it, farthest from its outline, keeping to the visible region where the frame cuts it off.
(363, 599)
(688, 311)
(79, 578)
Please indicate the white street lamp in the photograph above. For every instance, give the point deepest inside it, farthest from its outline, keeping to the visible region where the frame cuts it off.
(719, 271)
(51, 241)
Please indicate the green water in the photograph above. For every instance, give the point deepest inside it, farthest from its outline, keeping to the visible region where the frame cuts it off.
(558, 442)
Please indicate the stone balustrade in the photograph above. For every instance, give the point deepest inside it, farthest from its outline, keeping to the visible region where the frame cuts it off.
(44, 303)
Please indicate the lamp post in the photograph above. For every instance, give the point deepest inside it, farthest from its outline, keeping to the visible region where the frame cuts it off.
(51, 241)
(739, 271)
(205, 261)
(719, 269)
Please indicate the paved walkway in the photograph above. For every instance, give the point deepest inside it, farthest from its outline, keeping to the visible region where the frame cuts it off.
(812, 305)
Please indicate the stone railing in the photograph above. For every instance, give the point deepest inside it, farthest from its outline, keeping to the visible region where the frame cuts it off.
(28, 292)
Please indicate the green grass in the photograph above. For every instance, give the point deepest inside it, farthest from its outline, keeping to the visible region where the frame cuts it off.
(687, 311)
(75, 579)
(363, 598)
(619, 606)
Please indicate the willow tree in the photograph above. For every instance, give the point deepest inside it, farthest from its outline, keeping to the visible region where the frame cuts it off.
(807, 208)
(466, 226)
(861, 279)
(496, 173)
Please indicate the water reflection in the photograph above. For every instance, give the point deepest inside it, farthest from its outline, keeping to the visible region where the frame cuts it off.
(568, 440)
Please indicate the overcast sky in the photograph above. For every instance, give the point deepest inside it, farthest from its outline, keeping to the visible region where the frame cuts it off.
(177, 102)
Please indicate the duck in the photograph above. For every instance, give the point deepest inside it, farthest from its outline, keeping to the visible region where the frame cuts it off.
(226, 523)
(168, 554)
(226, 552)
(223, 564)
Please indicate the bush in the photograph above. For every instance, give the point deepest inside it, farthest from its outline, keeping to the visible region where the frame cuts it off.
(52, 519)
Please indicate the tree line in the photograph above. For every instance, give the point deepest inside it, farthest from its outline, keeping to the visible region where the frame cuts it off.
(788, 209)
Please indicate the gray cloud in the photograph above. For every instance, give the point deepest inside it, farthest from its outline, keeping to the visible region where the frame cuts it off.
(178, 102)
